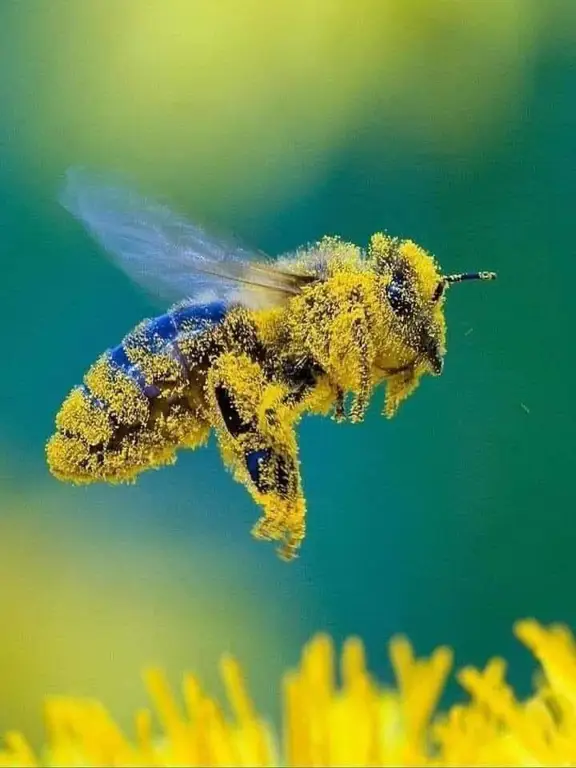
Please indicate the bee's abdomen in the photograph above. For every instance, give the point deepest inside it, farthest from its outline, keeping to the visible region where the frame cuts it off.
(152, 354)
(137, 402)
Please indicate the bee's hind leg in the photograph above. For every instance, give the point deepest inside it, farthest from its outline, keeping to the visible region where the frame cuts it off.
(257, 442)
(277, 480)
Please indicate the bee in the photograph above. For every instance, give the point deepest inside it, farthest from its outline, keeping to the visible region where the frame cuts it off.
(251, 345)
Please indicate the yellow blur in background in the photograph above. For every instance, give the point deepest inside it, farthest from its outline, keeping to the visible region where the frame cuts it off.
(85, 607)
(244, 104)
(353, 721)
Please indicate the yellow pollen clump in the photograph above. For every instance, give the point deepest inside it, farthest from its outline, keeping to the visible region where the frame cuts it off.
(120, 393)
(326, 723)
(79, 416)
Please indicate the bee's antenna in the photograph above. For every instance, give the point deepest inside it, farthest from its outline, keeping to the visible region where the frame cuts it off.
(470, 276)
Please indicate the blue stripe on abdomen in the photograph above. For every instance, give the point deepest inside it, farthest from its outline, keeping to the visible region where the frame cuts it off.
(159, 331)
(198, 316)
(157, 334)
(183, 319)
(120, 360)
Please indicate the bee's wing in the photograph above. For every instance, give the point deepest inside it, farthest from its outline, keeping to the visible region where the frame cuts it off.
(168, 255)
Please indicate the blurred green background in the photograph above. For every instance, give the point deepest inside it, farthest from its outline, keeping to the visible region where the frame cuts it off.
(451, 122)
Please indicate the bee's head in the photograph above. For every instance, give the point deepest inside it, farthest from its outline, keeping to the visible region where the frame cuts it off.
(412, 292)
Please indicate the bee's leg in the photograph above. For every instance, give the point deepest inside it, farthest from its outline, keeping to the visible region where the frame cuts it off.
(302, 378)
(361, 335)
(254, 426)
(398, 387)
(276, 477)
(339, 407)
(351, 355)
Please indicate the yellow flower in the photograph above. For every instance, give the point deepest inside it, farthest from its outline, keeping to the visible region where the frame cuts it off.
(355, 722)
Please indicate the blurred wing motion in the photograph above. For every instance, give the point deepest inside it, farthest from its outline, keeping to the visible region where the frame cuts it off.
(166, 254)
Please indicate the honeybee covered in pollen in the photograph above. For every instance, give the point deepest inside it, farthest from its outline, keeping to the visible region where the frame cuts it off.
(252, 345)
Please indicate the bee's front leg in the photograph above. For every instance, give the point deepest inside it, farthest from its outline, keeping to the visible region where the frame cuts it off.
(350, 358)
(360, 336)
(253, 421)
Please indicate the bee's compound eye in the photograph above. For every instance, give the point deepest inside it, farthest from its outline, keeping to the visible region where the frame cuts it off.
(398, 296)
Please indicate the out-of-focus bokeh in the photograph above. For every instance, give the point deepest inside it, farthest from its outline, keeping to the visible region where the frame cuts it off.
(451, 122)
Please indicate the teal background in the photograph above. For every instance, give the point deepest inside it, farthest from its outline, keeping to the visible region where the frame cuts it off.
(447, 523)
